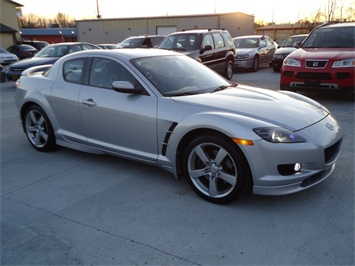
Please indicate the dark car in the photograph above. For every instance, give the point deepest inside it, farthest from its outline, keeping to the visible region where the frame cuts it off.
(39, 45)
(22, 50)
(48, 55)
(149, 41)
(212, 47)
(285, 49)
(324, 61)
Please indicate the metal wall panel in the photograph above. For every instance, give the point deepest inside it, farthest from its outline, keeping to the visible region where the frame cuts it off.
(115, 30)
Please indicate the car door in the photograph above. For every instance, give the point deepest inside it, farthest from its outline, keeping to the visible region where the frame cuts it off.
(263, 51)
(271, 48)
(64, 99)
(220, 52)
(120, 123)
(208, 56)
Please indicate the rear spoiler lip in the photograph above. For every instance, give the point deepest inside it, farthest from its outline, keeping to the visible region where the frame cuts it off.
(36, 70)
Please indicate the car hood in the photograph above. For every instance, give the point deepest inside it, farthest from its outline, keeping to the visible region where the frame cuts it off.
(285, 109)
(285, 50)
(239, 51)
(34, 61)
(323, 53)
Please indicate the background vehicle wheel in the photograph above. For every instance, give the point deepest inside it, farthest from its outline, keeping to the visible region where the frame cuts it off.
(216, 169)
(276, 69)
(228, 71)
(255, 66)
(38, 129)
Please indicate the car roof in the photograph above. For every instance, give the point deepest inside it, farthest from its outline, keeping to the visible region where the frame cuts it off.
(69, 43)
(338, 25)
(250, 36)
(197, 31)
(144, 36)
(299, 35)
(128, 53)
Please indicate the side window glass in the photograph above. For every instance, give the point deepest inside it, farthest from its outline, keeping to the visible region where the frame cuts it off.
(269, 42)
(208, 40)
(105, 71)
(88, 47)
(218, 39)
(262, 43)
(75, 48)
(73, 70)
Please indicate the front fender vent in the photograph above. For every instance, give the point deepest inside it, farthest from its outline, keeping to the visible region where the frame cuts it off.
(167, 137)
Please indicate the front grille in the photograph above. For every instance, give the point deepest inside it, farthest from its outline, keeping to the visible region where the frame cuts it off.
(343, 75)
(331, 152)
(288, 74)
(310, 75)
(316, 63)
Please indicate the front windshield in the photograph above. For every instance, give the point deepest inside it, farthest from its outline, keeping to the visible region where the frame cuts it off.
(2, 50)
(53, 51)
(290, 41)
(131, 43)
(246, 43)
(332, 37)
(182, 42)
(177, 75)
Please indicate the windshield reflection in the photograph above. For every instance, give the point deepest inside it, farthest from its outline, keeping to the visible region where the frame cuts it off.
(178, 75)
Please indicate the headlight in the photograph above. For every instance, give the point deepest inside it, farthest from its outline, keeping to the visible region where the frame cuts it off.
(344, 63)
(279, 56)
(292, 62)
(242, 56)
(278, 135)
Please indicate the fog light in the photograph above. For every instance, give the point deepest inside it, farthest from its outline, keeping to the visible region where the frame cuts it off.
(297, 167)
(289, 169)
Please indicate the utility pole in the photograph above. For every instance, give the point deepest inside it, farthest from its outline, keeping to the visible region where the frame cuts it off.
(97, 7)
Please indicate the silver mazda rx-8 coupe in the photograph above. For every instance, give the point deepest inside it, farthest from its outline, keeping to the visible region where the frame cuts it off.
(166, 109)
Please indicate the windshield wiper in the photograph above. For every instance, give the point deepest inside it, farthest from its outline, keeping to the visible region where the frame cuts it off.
(223, 87)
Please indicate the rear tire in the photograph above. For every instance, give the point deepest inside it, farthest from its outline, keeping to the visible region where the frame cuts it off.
(228, 71)
(38, 129)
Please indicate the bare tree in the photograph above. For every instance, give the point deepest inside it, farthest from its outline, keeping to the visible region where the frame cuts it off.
(62, 20)
(349, 12)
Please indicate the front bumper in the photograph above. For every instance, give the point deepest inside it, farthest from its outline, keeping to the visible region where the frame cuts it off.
(13, 75)
(342, 80)
(276, 63)
(243, 63)
(317, 156)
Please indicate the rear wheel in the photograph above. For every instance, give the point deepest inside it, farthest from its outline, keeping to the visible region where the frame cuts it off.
(228, 71)
(216, 169)
(38, 129)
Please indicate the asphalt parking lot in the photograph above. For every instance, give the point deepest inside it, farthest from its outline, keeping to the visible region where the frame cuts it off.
(71, 208)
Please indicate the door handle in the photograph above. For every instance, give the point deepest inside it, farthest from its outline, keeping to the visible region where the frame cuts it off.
(89, 102)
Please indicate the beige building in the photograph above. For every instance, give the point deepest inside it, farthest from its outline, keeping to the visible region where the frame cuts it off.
(115, 30)
(9, 26)
(280, 32)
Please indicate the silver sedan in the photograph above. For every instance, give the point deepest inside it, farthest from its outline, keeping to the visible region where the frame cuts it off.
(166, 109)
(251, 51)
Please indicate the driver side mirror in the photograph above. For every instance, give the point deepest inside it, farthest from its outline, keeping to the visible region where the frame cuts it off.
(125, 87)
(297, 44)
(206, 48)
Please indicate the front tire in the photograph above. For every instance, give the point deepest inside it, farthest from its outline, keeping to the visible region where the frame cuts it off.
(216, 169)
(38, 129)
(255, 66)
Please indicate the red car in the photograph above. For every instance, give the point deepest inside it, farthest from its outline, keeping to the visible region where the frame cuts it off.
(324, 62)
